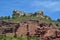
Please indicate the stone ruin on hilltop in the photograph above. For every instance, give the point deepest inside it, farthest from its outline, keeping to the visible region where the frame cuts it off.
(17, 13)
(21, 13)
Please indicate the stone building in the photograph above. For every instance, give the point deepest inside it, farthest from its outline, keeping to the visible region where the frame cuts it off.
(18, 13)
(39, 13)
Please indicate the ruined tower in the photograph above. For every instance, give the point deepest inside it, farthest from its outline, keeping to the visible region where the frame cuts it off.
(39, 13)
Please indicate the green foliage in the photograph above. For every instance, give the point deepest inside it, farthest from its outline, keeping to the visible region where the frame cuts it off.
(15, 35)
(22, 38)
(47, 17)
(17, 38)
(34, 38)
(58, 20)
(24, 15)
(7, 17)
(4, 18)
(1, 18)
(13, 17)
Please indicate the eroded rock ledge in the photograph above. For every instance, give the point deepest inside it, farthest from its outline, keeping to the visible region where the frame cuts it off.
(43, 30)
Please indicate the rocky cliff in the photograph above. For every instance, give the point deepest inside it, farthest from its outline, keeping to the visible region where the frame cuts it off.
(31, 27)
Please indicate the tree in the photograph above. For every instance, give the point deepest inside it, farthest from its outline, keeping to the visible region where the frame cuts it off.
(8, 17)
(58, 20)
(1, 18)
(14, 15)
(47, 17)
(24, 15)
(5, 17)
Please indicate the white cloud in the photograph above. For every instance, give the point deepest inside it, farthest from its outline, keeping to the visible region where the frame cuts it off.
(51, 5)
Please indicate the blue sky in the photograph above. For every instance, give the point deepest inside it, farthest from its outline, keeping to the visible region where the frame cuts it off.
(50, 7)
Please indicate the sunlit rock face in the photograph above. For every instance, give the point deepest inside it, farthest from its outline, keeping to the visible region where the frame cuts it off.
(43, 30)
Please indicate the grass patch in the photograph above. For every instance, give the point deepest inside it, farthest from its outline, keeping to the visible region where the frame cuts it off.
(18, 38)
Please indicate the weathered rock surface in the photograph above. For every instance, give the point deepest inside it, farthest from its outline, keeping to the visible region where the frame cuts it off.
(41, 29)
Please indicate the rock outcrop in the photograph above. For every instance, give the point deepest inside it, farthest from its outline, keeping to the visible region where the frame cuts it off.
(43, 30)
